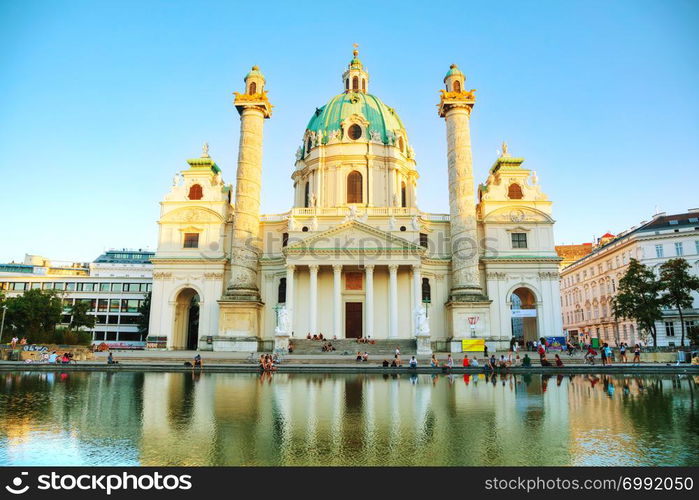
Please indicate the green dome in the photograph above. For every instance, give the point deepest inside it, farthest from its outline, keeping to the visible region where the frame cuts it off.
(453, 70)
(255, 71)
(381, 118)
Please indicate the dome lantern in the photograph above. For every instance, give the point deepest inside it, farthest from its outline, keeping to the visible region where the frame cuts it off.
(454, 79)
(355, 77)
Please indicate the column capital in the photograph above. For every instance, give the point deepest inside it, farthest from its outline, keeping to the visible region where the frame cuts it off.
(290, 267)
(416, 267)
(313, 268)
(369, 268)
(393, 268)
(337, 268)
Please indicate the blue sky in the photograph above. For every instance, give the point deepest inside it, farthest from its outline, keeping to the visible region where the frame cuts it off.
(102, 102)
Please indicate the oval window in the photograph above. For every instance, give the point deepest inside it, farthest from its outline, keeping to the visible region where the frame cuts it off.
(355, 132)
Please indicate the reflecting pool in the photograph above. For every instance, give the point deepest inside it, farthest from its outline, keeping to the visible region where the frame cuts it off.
(131, 418)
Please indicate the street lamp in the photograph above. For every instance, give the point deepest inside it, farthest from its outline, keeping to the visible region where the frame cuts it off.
(2, 325)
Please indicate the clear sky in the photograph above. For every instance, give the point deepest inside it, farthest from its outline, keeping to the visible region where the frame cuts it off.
(102, 102)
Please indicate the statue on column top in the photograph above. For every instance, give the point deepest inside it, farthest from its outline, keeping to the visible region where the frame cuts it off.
(504, 149)
(205, 150)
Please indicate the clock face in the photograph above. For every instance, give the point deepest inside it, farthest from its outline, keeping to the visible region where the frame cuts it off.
(516, 215)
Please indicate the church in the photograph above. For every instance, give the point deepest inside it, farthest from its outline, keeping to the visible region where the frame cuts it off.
(354, 257)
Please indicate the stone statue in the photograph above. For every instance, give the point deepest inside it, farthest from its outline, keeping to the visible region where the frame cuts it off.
(534, 178)
(353, 212)
(312, 200)
(283, 323)
(416, 223)
(176, 180)
(395, 200)
(411, 152)
(334, 137)
(391, 137)
(218, 180)
(299, 153)
(504, 149)
(423, 325)
(392, 223)
(376, 136)
(319, 138)
(291, 223)
(314, 224)
(205, 150)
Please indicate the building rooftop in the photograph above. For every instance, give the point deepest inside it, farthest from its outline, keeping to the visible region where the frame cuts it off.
(125, 256)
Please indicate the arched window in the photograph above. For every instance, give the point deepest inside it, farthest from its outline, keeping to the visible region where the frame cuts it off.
(354, 187)
(281, 292)
(355, 132)
(355, 83)
(347, 84)
(195, 192)
(363, 85)
(403, 195)
(253, 88)
(514, 192)
(309, 144)
(457, 86)
(426, 290)
(306, 194)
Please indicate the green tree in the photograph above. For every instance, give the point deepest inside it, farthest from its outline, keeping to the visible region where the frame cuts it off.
(143, 321)
(80, 316)
(677, 285)
(33, 314)
(693, 335)
(638, 299)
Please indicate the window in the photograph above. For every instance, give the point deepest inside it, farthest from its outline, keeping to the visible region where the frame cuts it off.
(129, 336)
(355, 132)
(674, 222)
(423, 240)
(355, 83)
(253, 88)
(195, 192)
(281, 292)
(130, 305)
(514, 192)
(285, 239)
(354, 186)
(47, 286)
(347, 84)
(403, 195)
(58, 286)
(36, 286)
(679, 251)
(669, 329)
(519, 240)
(116, 287)
(113, 320)
(363, 85)
(457, 86)
(191, 240)
(309, 144)
(306, 194)
(102, 305)
(426, 290)
(114, 305)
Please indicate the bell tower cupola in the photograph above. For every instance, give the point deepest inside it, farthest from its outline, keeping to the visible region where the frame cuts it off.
(355, 77)
(254, 81)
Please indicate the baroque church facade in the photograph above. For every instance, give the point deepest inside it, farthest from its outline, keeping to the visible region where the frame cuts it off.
(354, 256)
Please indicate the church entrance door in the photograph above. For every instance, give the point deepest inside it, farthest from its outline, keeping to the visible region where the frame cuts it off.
(353, 320)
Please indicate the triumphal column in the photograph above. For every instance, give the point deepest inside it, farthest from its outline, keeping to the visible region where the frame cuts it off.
(240, 306)
(468, 307)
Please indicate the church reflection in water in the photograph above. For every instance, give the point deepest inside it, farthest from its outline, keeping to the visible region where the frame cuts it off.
(295, 419)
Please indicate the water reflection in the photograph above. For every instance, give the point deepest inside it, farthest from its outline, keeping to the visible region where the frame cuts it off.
(294, 419)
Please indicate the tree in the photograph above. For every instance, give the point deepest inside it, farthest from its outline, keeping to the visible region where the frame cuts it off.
(33, 314)
(693, 335)
(677, 285)
(143, 321)
(637, 298)
(80, 316)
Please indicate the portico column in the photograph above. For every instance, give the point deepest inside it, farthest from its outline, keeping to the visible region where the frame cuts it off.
(417, 295)
(290, 296)
(313, 299)
(369, 328)
(393, 301)
(337, 300)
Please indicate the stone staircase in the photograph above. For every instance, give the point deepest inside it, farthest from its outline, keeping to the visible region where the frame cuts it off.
(342, 346)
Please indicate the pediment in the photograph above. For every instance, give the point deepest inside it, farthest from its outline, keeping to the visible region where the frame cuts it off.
(354, 236)
(190, 215)
(516, 214)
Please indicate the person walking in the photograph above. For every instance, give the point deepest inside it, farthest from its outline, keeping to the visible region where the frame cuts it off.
(622, 353)
(636, 354)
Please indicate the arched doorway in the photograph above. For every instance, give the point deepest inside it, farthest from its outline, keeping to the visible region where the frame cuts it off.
(186, 330)
(524, 323)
